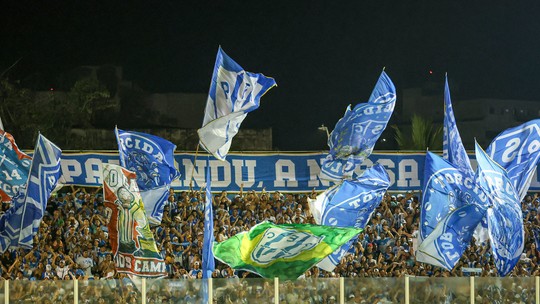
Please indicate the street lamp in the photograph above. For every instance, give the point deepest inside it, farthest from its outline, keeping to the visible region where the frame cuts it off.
(324, 128)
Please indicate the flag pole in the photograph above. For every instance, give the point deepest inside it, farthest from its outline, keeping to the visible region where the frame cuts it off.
(193, 168)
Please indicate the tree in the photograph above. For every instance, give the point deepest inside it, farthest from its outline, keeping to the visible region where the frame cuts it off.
(423, 135)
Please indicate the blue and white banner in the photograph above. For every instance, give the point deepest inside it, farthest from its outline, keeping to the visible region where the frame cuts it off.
(22, 223)
(288, 172)
(233, 93)
(517, 150)
(351, 206)
(453, 149)
(152, 159)
(505, 218)
(444, 246)
(14, 167)
(355, 135)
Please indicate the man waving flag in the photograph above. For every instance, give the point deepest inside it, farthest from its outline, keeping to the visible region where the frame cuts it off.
(233, 93)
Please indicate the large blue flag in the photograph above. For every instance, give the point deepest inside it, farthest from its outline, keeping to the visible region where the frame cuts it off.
(208, 262)
(505, 218)
(351, 204)
(14, 167)
(444, 246)
(151, 158)
(517, 150)
(21, 223)
(446, 189)
(453, 149)
(355, 135)
(233, 93)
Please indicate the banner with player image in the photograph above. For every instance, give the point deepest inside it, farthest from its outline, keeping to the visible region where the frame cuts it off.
(133, 244)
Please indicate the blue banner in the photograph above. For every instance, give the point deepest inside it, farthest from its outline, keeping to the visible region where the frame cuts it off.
(453, 149)
(151, 158)
(355, 135)
(518, 151)
(352, 206)
(505, 218)
(288, 172)
(233, 93)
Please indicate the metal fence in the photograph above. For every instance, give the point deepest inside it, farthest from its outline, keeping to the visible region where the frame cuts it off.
(313, 290)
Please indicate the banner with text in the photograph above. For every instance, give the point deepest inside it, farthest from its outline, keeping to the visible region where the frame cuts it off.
(288, 172)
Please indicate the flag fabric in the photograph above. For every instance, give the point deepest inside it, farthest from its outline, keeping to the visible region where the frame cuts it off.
(233, 93)
(352, 206)
(152, 159)
(355, 135)
(505, 218)
(536, 234)
(446, 189)
(444, 246)
(208, 263)
(285, 251)
(132, 242)
(453, 149)
(1, 125)
(14, 167)
(517, 150)
(21, 223)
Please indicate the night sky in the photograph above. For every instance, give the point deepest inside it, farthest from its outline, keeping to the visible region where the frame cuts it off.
(323, 55)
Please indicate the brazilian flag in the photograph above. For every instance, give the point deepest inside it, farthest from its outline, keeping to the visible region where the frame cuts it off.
(285, 251)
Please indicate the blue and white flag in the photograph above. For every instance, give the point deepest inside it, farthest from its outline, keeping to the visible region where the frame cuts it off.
(446, 189)
(351, 204)
(355, 135)
(505, 219)
(208, 262)
(233, 93)
(444, 246)
(536, 234)
(517, 150)
(22, 223)
(14, 167)
(453, 149)
(151, 158)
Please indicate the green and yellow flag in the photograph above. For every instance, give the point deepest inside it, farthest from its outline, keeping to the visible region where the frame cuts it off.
(284, 251)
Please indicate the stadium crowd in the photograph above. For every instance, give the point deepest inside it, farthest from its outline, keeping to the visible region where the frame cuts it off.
(72, 243)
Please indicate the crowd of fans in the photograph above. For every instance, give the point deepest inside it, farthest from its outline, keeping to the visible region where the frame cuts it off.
(72, 242)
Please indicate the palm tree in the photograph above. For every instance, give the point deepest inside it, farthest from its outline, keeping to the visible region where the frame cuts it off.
(424, 135)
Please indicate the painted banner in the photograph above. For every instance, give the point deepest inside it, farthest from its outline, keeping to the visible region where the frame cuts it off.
(14, 167)
(291, 172)
(133, 244)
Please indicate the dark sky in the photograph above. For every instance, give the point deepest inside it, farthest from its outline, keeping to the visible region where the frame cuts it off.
(323, 55)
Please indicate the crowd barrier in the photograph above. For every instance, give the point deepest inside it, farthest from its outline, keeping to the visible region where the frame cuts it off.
(321, 290)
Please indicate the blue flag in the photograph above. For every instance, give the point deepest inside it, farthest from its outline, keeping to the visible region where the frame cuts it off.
(446, 189)
(351, 204)
(151, 158)
(355, 135)
(208, 262)
(453, 149)
(517, 150)
(505, 219)
(14, 167)
(233, 93)
(444, 246)
(536, 233)
(21, 223)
